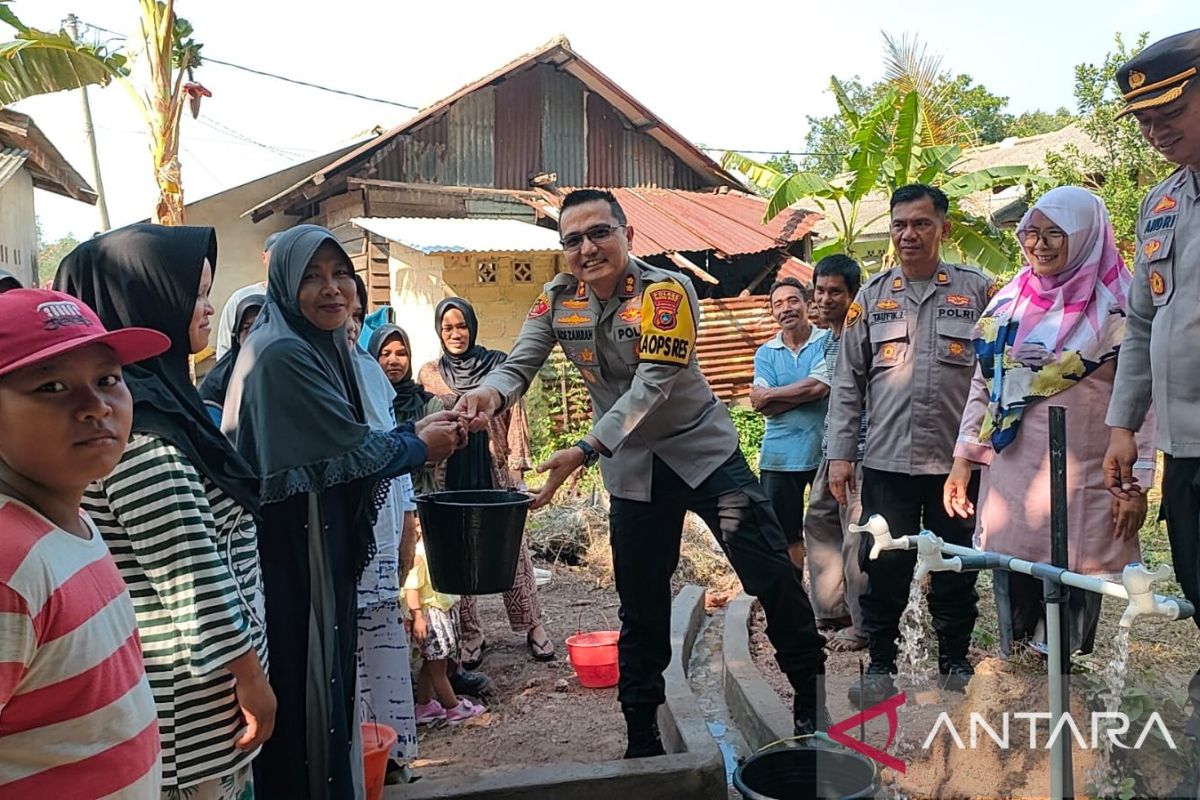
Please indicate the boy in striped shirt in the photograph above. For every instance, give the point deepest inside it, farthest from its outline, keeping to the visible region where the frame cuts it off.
(77, 718)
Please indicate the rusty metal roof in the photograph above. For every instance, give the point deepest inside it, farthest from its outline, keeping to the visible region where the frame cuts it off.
(48, 168)
(728, 222)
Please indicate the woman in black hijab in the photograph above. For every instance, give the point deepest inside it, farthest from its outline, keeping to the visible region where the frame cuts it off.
(494, 458)
(178, 513)
(295, 411)
(390, 346)
(216, 382)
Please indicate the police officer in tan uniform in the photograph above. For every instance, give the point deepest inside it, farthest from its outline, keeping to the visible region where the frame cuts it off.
(665, 444)
(1160, 356)
(907, 358)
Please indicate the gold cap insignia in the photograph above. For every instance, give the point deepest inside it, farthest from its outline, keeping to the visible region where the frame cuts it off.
(1136, 79)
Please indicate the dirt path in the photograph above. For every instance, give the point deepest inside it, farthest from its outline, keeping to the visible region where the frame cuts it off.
(540, 714)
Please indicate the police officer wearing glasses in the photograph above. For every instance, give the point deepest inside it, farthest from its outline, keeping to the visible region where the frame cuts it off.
(665, 444)
(1159, 359)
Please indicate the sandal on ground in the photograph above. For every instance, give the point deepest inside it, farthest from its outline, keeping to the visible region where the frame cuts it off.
(471, 656)
(846, 640)
(541, 651)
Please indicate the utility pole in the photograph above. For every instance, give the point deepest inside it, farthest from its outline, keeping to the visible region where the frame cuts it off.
(89, 132)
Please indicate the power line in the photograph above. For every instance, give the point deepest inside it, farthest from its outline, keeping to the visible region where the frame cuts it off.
(209, 122)
(253, 71)
(266, 74)
(769, 152)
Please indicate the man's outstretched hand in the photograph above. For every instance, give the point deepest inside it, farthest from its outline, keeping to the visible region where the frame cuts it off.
(560, 466)
(478, 406)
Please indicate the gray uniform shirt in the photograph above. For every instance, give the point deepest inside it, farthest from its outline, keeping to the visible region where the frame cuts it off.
(907, 358)
(636, 352)
(1159, 357)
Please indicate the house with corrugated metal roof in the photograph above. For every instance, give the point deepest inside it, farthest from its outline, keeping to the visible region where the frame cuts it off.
(509, 146)
(28, 161)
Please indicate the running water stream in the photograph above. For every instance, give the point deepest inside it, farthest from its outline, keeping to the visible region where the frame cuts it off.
(912, 662)
(1104, 778)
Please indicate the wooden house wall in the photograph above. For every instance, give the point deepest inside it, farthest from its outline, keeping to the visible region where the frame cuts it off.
(535, 121)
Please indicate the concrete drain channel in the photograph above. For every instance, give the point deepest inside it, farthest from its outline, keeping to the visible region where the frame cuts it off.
(707, 678)
(702, 746)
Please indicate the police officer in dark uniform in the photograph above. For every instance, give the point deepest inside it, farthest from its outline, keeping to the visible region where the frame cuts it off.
(666, 446)
(1160, 356)
(907, 359)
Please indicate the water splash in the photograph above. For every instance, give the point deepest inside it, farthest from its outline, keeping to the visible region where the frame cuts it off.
(913, 657)
(1104, 777)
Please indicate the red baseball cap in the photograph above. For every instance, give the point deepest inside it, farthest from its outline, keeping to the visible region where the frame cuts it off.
(39, 324)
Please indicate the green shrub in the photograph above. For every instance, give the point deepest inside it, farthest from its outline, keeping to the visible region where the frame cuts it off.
(750, 426)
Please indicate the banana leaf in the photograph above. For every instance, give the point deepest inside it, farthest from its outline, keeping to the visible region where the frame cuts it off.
(39, 62)
(798, 187)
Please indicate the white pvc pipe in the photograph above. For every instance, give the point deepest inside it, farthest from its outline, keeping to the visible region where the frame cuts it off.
(1054, 646)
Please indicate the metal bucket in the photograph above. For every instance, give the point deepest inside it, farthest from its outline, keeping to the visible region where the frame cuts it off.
(473, 539)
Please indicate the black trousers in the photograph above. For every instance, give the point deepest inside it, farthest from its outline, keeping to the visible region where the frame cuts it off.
(1181, 508)
(786, 491)
(908, 503)
(645, 545)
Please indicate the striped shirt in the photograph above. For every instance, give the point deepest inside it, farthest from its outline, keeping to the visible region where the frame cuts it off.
(76, 714)
(189, 555)
(833, 346)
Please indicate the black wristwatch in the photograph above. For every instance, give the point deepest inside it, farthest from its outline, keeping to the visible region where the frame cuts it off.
(590, 456)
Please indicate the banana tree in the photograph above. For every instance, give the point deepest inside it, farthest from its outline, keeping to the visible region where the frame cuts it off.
(886, 152)
(39, 62)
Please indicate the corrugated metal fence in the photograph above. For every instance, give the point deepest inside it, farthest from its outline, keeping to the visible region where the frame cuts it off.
(730, 331)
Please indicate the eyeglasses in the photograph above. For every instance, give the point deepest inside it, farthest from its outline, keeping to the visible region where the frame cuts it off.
(1029, 238)
(595, 235)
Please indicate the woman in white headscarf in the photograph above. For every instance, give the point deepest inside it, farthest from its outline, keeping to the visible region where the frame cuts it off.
(1055, 332)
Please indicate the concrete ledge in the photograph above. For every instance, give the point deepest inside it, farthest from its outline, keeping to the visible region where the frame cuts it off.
(693, 769)
(753, 705)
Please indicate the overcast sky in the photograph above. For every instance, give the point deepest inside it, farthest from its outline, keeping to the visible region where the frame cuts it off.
(731, 75)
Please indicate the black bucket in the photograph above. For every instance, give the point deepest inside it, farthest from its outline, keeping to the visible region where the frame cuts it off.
(802, 773)
(473, 539)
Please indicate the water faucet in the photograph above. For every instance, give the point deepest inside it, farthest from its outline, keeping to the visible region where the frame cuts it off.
(930, 558)
(1138, 580)
(878, 527)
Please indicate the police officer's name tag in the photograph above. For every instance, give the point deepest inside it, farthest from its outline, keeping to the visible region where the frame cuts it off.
(668, 327)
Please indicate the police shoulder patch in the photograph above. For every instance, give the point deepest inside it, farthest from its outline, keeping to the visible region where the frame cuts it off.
(668, 327)
(854, 314)
(540, 306)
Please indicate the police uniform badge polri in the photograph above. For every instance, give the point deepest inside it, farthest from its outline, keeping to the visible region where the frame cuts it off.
(668, 327)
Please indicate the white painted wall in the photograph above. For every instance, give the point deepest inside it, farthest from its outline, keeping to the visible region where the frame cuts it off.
(18, 228)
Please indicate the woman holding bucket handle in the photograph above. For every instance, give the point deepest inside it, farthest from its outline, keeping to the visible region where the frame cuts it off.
(178, 514)
(1052, 334)
(494, 458)
(295, 412)
(216, 382)
(435, 629)
(384, 676)
(390, 345)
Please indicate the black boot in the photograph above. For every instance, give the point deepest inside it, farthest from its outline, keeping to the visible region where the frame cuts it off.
(475, 684)
(875, 687)
(954, 670)
(641, 726)
(808, 705)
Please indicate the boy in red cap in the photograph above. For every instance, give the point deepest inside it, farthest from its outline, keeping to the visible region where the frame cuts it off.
(77, 718)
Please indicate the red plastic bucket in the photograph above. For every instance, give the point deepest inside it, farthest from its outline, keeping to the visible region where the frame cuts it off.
(377, 741)
(594, 657)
